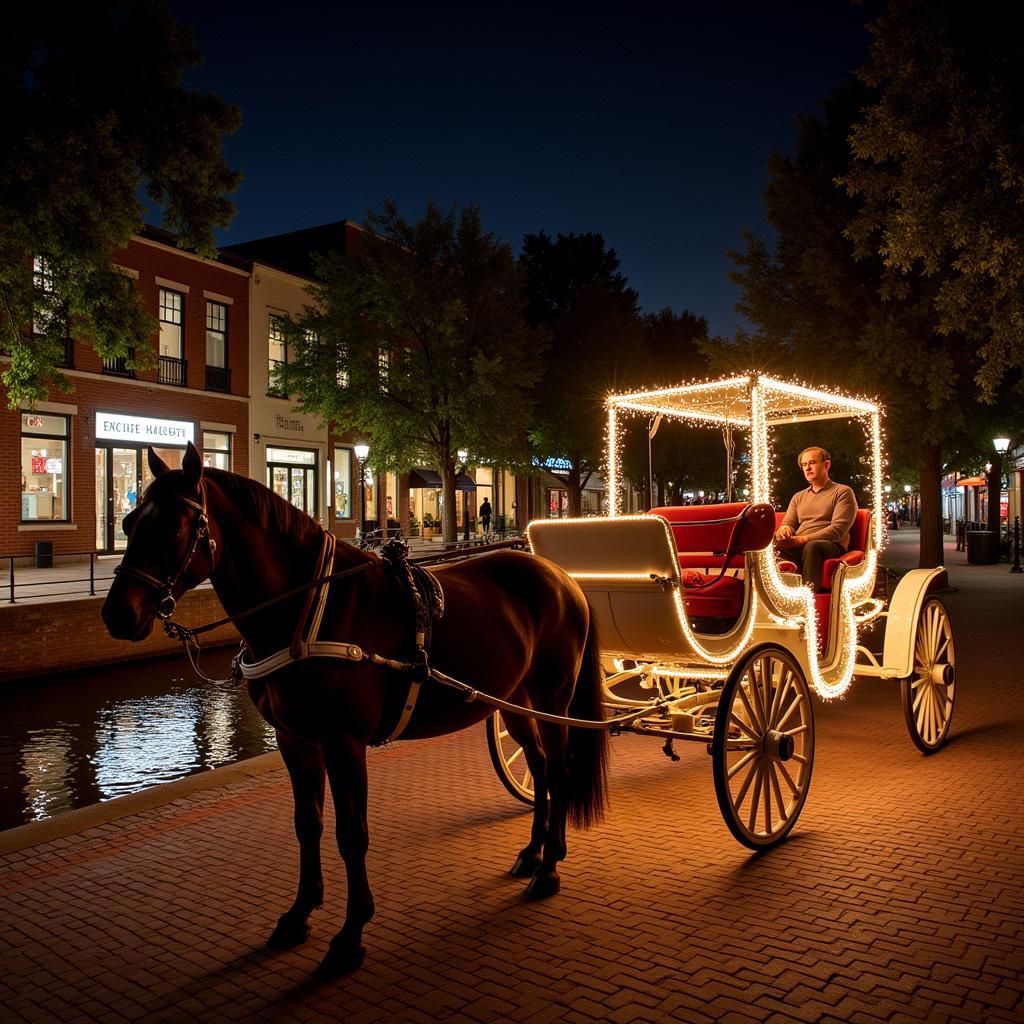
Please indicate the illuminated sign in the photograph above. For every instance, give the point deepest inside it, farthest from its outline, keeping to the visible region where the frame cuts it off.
(112, 426)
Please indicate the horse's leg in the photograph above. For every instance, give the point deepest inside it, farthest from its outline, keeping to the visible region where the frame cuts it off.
(305, 766)
(346, 768)
(545, 881)
(522, 730)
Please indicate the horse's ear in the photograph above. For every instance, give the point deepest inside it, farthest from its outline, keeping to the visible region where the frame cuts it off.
(192, 465)
(157, 466)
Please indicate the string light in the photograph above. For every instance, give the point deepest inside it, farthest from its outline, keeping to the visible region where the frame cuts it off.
(756, 403)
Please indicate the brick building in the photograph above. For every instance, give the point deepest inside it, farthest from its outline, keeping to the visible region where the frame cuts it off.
(74, 466)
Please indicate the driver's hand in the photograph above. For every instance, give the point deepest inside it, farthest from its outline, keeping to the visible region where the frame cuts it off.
(784, 532)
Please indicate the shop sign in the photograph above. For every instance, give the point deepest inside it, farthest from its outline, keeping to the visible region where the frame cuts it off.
(42, 464)
(113, 426)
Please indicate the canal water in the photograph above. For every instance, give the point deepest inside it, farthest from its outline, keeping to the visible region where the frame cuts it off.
(81, 738)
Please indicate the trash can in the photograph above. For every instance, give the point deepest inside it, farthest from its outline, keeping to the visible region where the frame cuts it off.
(44, 554)
(982, 547)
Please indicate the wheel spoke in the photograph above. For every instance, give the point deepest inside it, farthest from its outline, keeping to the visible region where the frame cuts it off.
(754, 769)
(767, 683)
(512, 758)
(936, 629)
(767, 799)
(527, 782)
(780, 695)
(733, 717)
(744, 760)
(502, 734)
(942, 648)
(796, 732)
(754, 720)
(920, 696)
(756, 693)
(777, 790)
(789, 779)
(797, 701)
(755, 803)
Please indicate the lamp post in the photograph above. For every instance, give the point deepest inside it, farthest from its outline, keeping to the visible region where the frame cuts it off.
(362, 451)
(463, 456)
(1002, 445)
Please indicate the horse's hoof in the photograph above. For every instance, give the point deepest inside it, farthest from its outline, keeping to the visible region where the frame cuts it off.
(525, 866)
(291, 931)
(341, 959)
(543, 884)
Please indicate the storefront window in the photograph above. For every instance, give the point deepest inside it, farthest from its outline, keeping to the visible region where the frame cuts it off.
(216, 450)
(291, 474)
(44, 458)
(370, 482)
(391, 495)
(343, 483)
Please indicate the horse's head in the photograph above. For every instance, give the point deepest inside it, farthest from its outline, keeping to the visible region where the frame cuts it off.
(170, 548)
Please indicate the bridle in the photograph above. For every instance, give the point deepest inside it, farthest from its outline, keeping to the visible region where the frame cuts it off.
(166, 600)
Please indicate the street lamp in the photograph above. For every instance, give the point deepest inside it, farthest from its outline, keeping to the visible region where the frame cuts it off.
(1001, 444)
(463, 457)
(362, 451)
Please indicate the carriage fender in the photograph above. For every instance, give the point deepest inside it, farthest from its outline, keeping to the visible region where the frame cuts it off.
(901, 623)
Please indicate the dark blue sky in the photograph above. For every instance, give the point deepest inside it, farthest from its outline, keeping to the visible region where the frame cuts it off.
(648, 122)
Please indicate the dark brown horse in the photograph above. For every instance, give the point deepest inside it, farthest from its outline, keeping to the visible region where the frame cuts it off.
(514, 626)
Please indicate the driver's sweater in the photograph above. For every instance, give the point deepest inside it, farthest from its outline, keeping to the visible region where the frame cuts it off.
(826, 514)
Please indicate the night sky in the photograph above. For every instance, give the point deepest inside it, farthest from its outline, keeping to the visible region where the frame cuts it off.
(648, 122)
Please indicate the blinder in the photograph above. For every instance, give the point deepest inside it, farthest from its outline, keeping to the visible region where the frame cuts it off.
(165, 599)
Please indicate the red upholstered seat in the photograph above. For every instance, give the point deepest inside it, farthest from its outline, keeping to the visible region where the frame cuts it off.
(708, 538)
(859, 533)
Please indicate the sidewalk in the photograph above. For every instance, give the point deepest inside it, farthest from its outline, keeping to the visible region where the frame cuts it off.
(898, 897)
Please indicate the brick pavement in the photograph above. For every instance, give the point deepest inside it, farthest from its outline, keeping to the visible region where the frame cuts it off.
(898, 897)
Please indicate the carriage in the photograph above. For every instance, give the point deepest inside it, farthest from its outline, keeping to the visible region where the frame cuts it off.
(707, 636)
(701, 636)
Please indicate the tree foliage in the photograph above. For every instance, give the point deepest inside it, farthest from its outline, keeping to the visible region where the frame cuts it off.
(939, 172)
(417, 340)
(95, 118)
(837, 320)
(575, 291)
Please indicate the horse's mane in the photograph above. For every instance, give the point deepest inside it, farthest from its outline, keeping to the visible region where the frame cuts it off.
(272, 513)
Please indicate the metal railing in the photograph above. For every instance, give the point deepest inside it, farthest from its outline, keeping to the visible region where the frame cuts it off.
(76, 578)
(172, 370)
(117, 367)
(218, 378)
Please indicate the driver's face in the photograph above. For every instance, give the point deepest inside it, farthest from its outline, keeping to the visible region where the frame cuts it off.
(815, 468)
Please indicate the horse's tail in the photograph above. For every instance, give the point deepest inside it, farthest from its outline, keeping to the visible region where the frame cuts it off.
(587, 749)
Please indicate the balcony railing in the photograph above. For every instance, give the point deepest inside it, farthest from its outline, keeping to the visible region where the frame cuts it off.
(117, 367)
(172, 371)
(218, 378)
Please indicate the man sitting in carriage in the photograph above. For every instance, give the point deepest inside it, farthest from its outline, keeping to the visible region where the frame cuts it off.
(817, 523)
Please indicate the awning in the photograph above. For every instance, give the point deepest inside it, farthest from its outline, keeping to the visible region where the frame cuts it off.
(430, 480)
(973, 481)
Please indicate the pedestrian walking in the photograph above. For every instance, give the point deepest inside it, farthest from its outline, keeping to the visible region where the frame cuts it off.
(485, 515)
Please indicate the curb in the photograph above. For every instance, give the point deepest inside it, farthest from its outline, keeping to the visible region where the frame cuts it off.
(35, 833)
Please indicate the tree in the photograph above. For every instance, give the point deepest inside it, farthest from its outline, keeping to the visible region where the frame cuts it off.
(575, 291)
(417, 339)
(939, 172)
(837, 317)
(95, 116)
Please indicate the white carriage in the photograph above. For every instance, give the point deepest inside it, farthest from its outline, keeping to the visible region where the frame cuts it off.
(707, 636)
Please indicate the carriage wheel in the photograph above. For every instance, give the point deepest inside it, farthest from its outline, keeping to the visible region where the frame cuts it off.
(509, 760)
(763, 747)
(927, 695)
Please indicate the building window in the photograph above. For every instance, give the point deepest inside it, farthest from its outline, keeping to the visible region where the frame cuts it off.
(171, 369)
(278, 351)
(384, 368)
(216, 450)
(343, 483)
(44, 467)
(292, 475)
(47, 314)
(216, 347)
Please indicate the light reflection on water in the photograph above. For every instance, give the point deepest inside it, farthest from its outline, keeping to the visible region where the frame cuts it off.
(78, 739)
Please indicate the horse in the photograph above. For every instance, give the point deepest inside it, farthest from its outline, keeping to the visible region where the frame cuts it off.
(514, 626)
